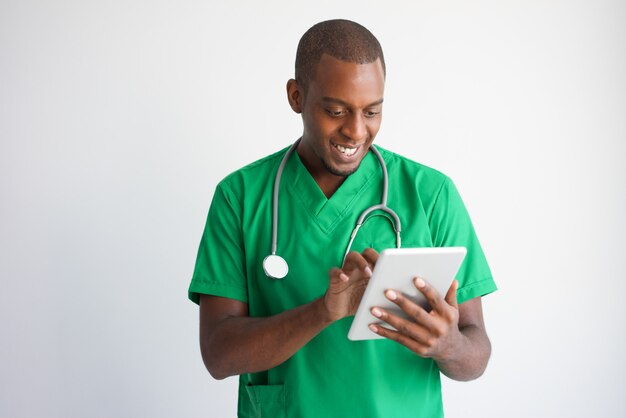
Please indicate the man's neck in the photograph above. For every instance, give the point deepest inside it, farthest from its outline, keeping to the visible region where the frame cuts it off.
(326, 181)
(329, 186)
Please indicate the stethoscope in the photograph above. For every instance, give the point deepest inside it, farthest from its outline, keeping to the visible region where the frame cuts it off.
(275, 266)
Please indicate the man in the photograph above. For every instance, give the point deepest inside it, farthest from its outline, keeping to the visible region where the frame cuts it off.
(287, 339)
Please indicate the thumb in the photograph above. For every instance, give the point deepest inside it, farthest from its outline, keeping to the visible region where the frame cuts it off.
(451, 295)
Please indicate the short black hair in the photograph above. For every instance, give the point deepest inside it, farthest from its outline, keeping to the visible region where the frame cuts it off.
(341, 39)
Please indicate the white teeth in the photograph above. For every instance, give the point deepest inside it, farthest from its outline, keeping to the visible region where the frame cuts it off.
(347, 151)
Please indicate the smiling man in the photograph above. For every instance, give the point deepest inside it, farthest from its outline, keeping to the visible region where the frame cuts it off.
(341, 109)
(287, 339)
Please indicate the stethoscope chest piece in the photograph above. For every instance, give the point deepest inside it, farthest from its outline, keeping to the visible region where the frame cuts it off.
(275, 266)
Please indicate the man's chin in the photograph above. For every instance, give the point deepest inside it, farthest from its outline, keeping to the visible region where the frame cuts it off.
(339, 171)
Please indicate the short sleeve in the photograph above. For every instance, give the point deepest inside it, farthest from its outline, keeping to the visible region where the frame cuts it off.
(451, 226)
(220, 265)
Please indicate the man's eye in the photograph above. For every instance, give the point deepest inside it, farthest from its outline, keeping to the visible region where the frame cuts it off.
(371, 113)
(335, 113)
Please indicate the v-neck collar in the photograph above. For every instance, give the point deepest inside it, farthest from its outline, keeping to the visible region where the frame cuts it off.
(327, 212)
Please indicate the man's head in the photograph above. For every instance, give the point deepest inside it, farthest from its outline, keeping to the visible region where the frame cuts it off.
(341, 39)
(339, 89)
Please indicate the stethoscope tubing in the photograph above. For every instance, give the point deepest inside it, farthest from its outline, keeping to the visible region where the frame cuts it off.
(279, 175)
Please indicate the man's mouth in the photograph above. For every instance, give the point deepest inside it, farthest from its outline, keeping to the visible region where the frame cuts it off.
(347, 151)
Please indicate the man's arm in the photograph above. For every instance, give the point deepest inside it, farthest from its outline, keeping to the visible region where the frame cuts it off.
(233, 343)
(471, 356)
(453, 335)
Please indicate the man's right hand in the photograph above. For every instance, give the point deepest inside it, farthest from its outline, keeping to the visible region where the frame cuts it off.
(234, 343)
(347, 284)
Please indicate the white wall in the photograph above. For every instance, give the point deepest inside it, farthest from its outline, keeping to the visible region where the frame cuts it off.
(118, 118)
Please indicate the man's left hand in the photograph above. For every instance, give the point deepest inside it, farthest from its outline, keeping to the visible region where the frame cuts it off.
(433, 334)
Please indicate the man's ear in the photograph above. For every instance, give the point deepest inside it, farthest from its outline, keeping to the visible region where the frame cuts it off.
(295, 95)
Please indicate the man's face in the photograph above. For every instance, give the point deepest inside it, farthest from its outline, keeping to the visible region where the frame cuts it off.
(341, 112)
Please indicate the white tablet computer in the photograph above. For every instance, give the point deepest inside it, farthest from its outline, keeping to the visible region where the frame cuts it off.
(395, 269)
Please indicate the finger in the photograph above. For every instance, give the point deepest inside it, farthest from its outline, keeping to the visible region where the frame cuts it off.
(399, 338)
(355, 261)
(412, 309)
(411, 329)
(431, 294)
(451, 295)
(371, 255)
(337, 276)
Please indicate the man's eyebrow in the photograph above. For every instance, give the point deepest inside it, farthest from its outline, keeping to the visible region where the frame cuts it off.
(342, 103)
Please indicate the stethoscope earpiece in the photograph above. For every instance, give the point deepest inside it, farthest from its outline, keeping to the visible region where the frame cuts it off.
(274, 265)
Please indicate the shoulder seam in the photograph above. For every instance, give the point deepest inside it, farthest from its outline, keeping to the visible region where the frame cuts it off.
(446, 179)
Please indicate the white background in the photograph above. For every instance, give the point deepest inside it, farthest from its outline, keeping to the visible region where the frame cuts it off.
(118, 118)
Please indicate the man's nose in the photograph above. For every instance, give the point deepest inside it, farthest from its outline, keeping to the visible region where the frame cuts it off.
(355, 127)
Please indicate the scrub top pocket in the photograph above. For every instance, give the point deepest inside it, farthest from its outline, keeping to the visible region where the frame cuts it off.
(265, 401)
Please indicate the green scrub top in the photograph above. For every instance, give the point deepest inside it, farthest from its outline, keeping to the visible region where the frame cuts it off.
(331, 376)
